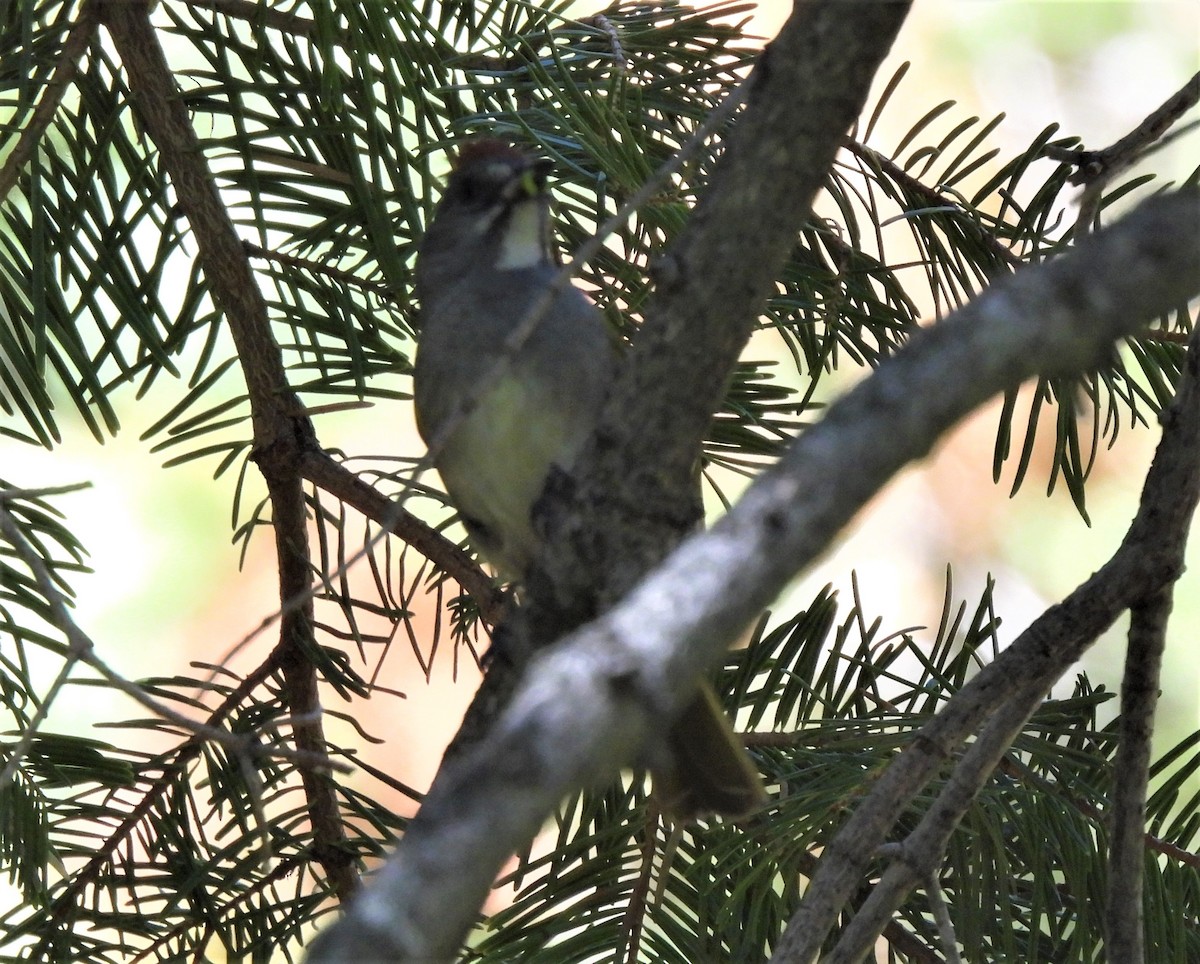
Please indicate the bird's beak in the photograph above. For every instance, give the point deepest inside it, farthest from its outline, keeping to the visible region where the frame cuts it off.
(530, 182)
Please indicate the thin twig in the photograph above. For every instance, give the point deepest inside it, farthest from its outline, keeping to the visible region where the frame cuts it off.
(164, 946)
(73, 47)
(1152, 843)
(931, 195)
(66, 900)
(938, 906)
(319, 468)
(609, 29)
(1096, 169)
(26, 495)
(941, 914)
(78, 645)
(1172, 337)
(634, 918)
(1122, 154)
(81, 648)
(381, 290)
(255, 11)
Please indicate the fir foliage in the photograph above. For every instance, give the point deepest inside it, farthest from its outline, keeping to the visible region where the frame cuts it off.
(325, 124)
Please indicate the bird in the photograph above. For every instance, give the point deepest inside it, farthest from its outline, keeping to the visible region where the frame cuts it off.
(485, 263)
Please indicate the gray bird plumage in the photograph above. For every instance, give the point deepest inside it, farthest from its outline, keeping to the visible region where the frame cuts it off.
(484, 264)
(542, 409)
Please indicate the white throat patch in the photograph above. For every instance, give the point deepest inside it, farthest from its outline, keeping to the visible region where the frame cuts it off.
(522, 245)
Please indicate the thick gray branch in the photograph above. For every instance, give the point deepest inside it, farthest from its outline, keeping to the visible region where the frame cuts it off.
(1006, 692)
(587, 706)
(636, 482)
(634, 493)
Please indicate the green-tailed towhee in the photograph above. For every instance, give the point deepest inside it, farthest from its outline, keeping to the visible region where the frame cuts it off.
(484, 263)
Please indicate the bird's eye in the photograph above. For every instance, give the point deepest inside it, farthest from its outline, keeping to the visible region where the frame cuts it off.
(482, 184)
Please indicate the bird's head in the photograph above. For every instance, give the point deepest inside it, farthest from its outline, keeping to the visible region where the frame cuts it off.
(495, 211)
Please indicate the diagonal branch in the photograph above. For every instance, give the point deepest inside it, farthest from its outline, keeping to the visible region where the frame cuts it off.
(1104, 164)
(81, 649)
(894, 172)
(167, 765)
(635, 480)
(587, 706)
(1008, 691)
(319, 468)
(255, 12)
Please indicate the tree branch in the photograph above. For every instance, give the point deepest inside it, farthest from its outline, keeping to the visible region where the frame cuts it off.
(81, 34)
(588, 705)
(172, 763)
(1008, 690)
(870, 156)
(1098, 168)
(633, 496)
(80, 648)
(381, 290)
(318, 467)
(1125, 935)
(1104, 164)
(282, 433)
(255, 12)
